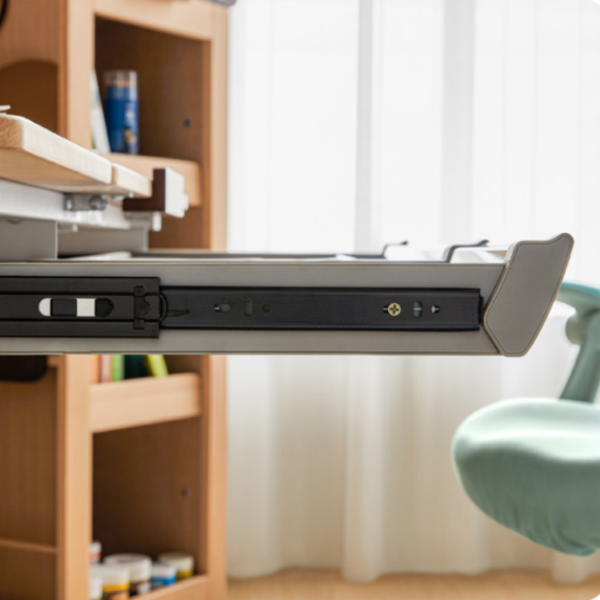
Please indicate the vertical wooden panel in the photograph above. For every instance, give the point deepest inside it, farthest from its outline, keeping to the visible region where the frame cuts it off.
(206, 227)
(28, 461)
(27, 575)
(214, 156)
(75, 65)
(30, 32)
(146, 489)
(74, 514)
(214, 474)
(31, 89)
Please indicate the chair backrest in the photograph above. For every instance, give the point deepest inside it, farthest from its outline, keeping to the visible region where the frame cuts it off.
(583, 328)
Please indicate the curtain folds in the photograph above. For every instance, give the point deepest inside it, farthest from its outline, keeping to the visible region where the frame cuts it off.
(355, 123)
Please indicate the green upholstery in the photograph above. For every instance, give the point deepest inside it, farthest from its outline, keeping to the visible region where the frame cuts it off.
(533, 465)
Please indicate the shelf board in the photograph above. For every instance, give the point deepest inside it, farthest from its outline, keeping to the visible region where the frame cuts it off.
(145, 401)
(146, 165)
(33, 155)
(27, 546)
(195, 588)
(195, 20)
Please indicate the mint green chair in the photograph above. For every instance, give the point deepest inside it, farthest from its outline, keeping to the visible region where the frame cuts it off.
(533, 464)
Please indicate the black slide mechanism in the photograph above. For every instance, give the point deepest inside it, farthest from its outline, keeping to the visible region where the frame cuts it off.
(140, 307)
(323, 309)
(93, 307)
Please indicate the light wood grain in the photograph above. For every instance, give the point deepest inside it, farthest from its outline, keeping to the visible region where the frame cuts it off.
(195, 588)
(35, 156)
(295, 584)
(129, 182)
(213, 524)
(76, 61)
(188, 19)
(124, 182)
(28, 461)
(144, 401)
(215, 215)
(146, 165)
(74, 512)
(27, 547)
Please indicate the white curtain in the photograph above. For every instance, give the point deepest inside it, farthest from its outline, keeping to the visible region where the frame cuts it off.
(355, 123)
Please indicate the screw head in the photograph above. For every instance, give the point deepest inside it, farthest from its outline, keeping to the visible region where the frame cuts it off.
(394, 309)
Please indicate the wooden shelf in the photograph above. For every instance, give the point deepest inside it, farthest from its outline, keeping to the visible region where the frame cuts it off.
(27, 546)
(145, 401)
(195, 20)
(146, 165)
(195, 588)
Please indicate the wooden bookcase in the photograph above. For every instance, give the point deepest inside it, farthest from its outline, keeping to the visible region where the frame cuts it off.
(139, 465)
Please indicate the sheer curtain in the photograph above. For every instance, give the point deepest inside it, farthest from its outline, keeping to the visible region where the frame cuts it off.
(354, 123)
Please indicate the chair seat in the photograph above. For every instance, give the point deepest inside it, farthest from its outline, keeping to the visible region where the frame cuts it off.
(533, 465)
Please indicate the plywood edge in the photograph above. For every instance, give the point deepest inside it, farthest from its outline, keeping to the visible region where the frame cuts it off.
(195, 588)
(35, 156)
(188, 19)
(130, 182)
(27, 546)
(124, 182)
(146, 401)
(145, 165)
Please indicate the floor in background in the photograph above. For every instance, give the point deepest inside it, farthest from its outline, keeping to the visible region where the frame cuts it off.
(299, 584)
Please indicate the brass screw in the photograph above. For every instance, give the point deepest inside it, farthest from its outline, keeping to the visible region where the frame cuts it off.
(394, 309)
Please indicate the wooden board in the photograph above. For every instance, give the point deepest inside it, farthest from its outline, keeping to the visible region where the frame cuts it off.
(28, 461)
(147, 496)
(196, 588)
(186, 19)
(30, 87)
(146, 164)
(31, 32)
(124, 182)
(144, 401)
(27, 576)
(33, 155)
(74, 511)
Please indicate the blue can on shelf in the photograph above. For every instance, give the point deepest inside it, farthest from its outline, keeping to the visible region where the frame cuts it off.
(121, 111)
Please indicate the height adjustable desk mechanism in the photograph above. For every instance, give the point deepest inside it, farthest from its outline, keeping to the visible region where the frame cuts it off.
(109, 294)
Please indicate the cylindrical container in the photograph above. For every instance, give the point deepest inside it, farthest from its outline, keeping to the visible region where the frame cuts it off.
(115, 581)
(139, 568)
(162, 575)
(184, 563)
(121, 111)
(95, 552)
(95, 587)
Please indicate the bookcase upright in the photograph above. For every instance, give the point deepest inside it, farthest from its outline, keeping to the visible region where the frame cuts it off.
(139, 465)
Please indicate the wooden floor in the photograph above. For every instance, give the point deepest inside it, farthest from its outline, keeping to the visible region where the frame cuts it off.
(295, 584)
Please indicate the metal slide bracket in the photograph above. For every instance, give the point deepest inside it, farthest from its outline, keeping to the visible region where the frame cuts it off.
(79, 307)
(212, 304)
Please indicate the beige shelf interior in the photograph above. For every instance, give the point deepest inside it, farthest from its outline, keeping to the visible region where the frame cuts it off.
(146, 401)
